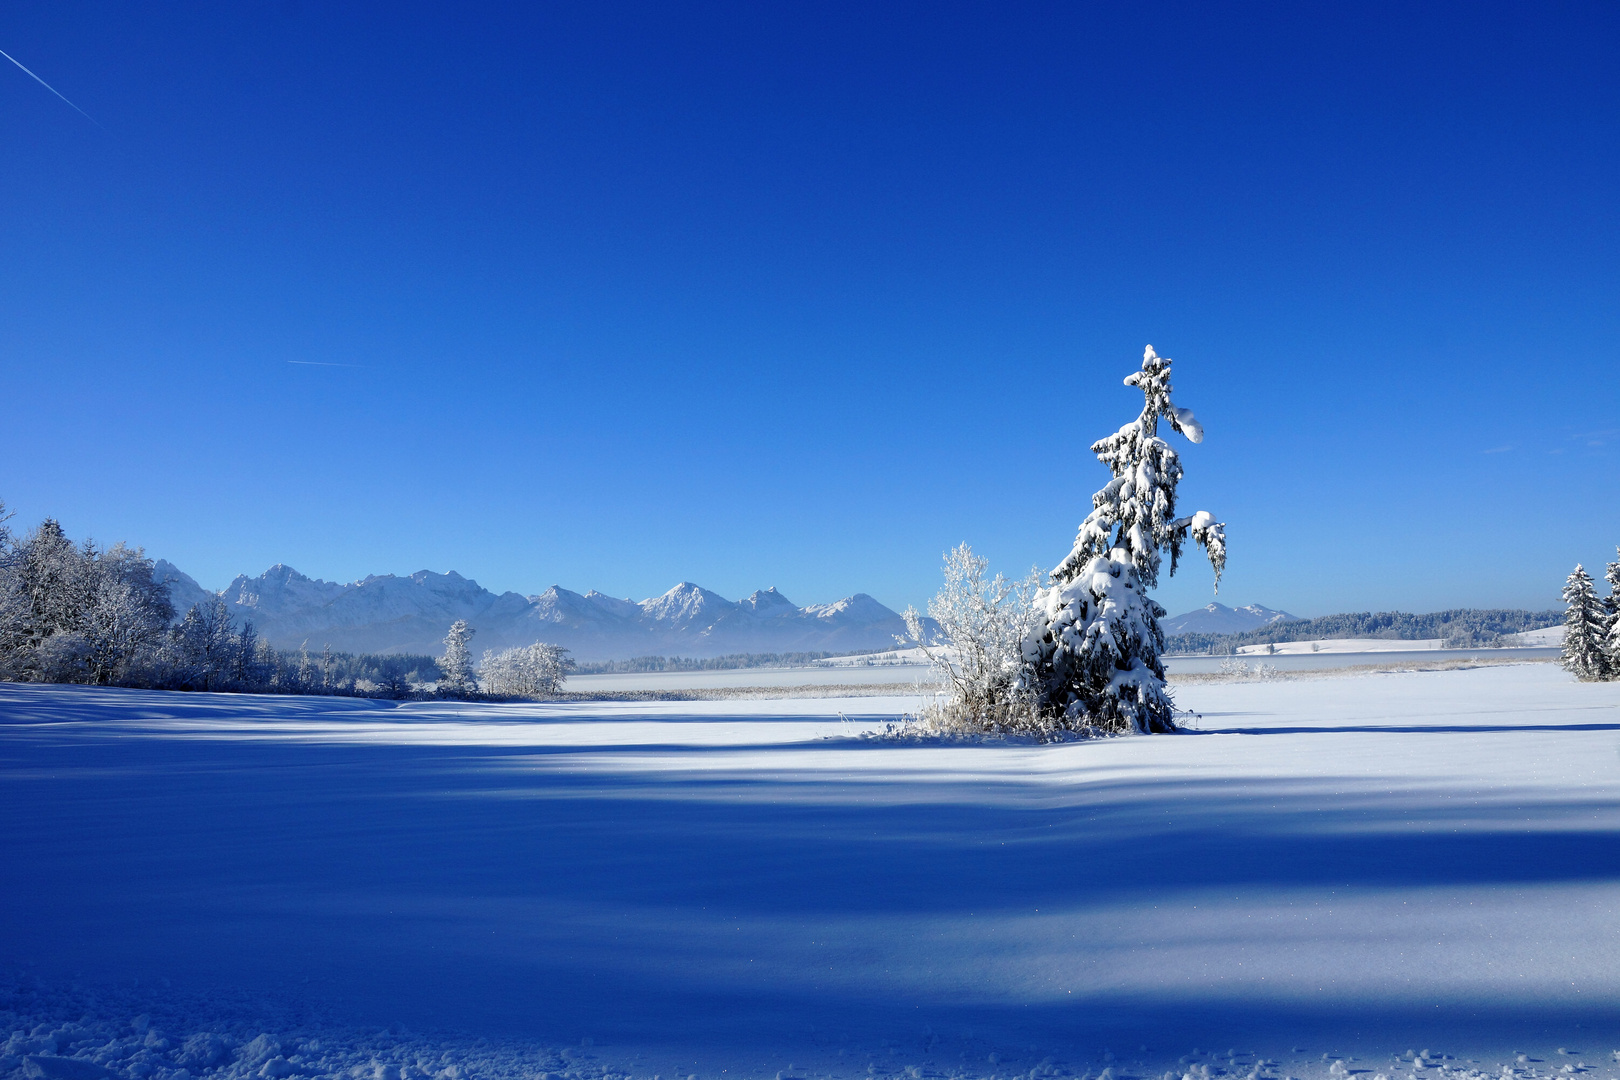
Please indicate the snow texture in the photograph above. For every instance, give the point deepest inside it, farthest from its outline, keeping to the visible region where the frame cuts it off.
(327, 887)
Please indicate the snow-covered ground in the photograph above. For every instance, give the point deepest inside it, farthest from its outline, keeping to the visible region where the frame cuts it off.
(1552, 635)
(847, 675)
(1532, 639)
(1339, 867)
(1345, 645)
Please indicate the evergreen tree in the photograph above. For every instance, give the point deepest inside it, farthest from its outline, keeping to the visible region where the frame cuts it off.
(1611, 643)
(1585, 628)
(1093, 657)
(456, 677)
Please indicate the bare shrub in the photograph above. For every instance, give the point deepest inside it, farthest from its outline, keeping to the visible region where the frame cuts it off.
(984, 621)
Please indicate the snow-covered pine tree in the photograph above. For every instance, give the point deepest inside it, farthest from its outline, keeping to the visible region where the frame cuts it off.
(1093, 658)
(456, 677)
(1585, 628)
(1611, 641)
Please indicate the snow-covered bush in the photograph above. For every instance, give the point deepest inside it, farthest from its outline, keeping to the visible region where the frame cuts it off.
(527, 671)
(456, 678)
(1092, 659)
(984, 622)
(1586, 629)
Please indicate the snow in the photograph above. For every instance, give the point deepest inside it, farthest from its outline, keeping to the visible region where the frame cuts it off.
(776, 677)
(1552, 635)
(1345, 645)
(1353, 866)
(1531, 639)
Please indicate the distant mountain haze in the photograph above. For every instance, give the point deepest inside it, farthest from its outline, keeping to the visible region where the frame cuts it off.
(391, 614)
(1220, 619)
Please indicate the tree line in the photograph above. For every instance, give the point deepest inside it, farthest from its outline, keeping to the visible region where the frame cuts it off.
(81, 613)
(1458, 628)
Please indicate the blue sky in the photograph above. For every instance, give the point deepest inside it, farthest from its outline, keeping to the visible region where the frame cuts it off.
(614, 296)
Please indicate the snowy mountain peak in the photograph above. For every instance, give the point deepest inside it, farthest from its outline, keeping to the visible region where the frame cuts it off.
(859, 608)
(684, 603)
(390, 613)
(1216, 618)
(768, 602)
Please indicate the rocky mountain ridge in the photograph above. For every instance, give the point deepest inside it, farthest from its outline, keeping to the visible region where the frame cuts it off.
(1214, 618)
(388, 613)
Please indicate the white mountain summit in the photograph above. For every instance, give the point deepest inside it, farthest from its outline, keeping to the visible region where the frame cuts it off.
(1219, 619)
(388, 613)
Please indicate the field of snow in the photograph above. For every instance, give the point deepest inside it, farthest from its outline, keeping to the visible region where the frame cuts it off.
(911, 678)
(1549, 638)
(1346, 645)
(817, 675)
(1324, 874)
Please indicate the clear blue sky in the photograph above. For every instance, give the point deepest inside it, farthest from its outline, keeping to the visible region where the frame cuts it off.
(803, 295)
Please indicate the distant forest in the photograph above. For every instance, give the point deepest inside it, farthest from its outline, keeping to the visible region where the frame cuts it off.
(1464, 628)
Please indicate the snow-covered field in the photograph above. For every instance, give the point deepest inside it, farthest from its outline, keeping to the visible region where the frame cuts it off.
(877, 675)
(1331, 868)
(1548, 638)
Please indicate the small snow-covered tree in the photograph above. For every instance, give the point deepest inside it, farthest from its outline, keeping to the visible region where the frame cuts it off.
(526, 671)
(456, 677)
(1093, 658)
(1585, 628)
(984, 621)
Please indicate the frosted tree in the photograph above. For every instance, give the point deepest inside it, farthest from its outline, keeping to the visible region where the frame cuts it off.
(1611, 641)
(527, 671)
(456, 677)
(984, 621)
(204, 646)
(127, 612)
(1586, 627)
(1092, 660)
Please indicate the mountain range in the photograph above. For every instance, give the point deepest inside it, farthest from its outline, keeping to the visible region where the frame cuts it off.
(392, 614)
(1220, 619)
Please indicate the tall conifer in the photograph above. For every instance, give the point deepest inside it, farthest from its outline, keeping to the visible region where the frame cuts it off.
(1093, 657)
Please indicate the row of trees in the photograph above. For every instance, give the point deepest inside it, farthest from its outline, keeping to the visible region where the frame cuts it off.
(1458, 628)
(1082, 653)
(79, 613)
(1592, 625)
(526, 671)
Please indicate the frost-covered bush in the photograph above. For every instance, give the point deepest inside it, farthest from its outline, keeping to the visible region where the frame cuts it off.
(979, 663)
(1092, 659)
(527, 671)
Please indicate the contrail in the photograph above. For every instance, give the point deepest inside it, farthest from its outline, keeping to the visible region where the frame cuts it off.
(51, 88)
(319, 363)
